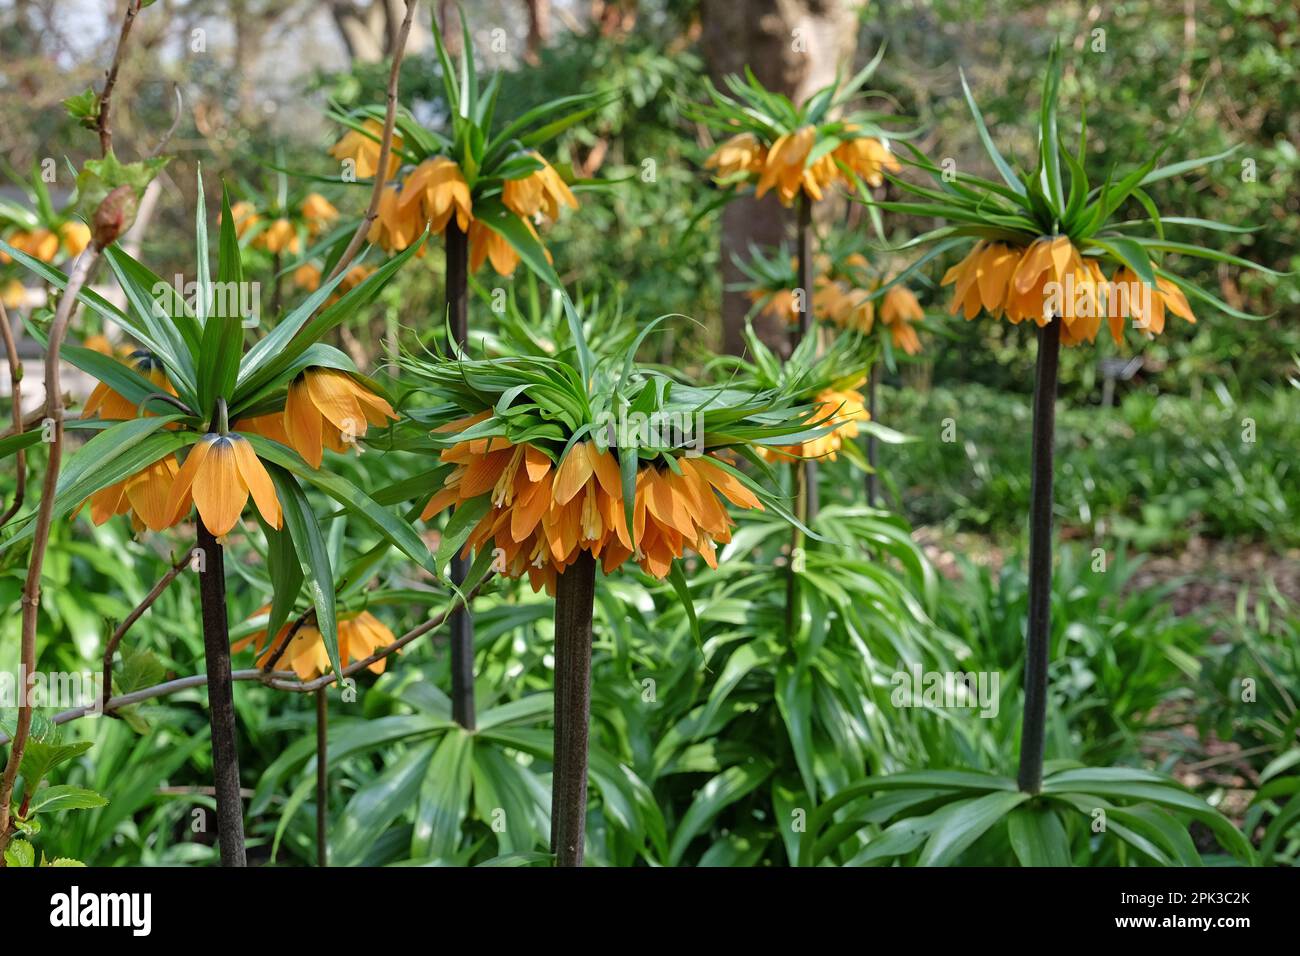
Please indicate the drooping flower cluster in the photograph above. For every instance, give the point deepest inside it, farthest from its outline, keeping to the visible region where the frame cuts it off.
(107, 403)
(40, 232)
(477, 169)
(146, 496)
(220, 472)
(436, 191)
(279, 230)
(1043, 240)
(44, 244)
(308, 278)
(839, 409)
(1050, 278)
(324, 408)
(854, 308)
(899, 308)
(846, 293)
(541, 193)
(541, 515)
(362, 149)
(788, 166)
(13, 294)
(360, 635)
(781, 304)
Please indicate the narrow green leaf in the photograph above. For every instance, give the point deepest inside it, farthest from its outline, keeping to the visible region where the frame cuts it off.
(314, 557)
(720, 792)
(396, 531)
(1132, 254)
(222, 345)
(376, 804)
(203, 271)
(1038, 838)
(444, 797)
(677, 578)
(65, 797)
(462, 521)
(1005, 171)
(960, 824)
(286, 575)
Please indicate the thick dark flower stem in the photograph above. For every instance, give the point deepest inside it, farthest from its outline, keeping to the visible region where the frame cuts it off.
(221, 701)
(1038, 632)
(322, 777)
(873, 384)
(804, 472)
(461, 625)
(575, 594)
(807, 327)
(798, 476)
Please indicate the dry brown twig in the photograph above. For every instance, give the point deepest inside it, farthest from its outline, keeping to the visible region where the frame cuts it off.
(44, 518)
(385, 147)
(171, 130)
(77, 279)
(102, 123)
(154, 593)
(30, 420)
(284, 645)
(16, 396)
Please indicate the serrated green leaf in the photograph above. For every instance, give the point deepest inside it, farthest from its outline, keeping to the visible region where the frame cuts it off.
(19, 854)
(64, 797)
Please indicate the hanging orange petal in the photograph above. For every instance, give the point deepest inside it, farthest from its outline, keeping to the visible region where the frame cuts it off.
(572, 474)
(219, 492)
(303, 424)
(731, 487)
(605, 465)
(182, 483)
(526, 513)
(334, 395)
(150, 491)
(535, 463)
(259, 483)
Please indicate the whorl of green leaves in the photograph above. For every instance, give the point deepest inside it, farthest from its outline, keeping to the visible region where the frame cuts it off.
(748, 106)
(199, 341)
(776, 270)
(548, 402)
(487, 157)
(535, 321)
(1027, 205)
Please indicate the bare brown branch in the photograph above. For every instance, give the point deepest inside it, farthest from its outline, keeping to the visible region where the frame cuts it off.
(171, 130)
(16, 395)
(103, 122)
(111, 647)
(30, 420)
(385, 147)
(79, 276)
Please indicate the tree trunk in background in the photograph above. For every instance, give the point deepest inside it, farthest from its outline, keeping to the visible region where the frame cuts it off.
(449, 22)
(368, 29)
(794, 47)
(539, 28)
